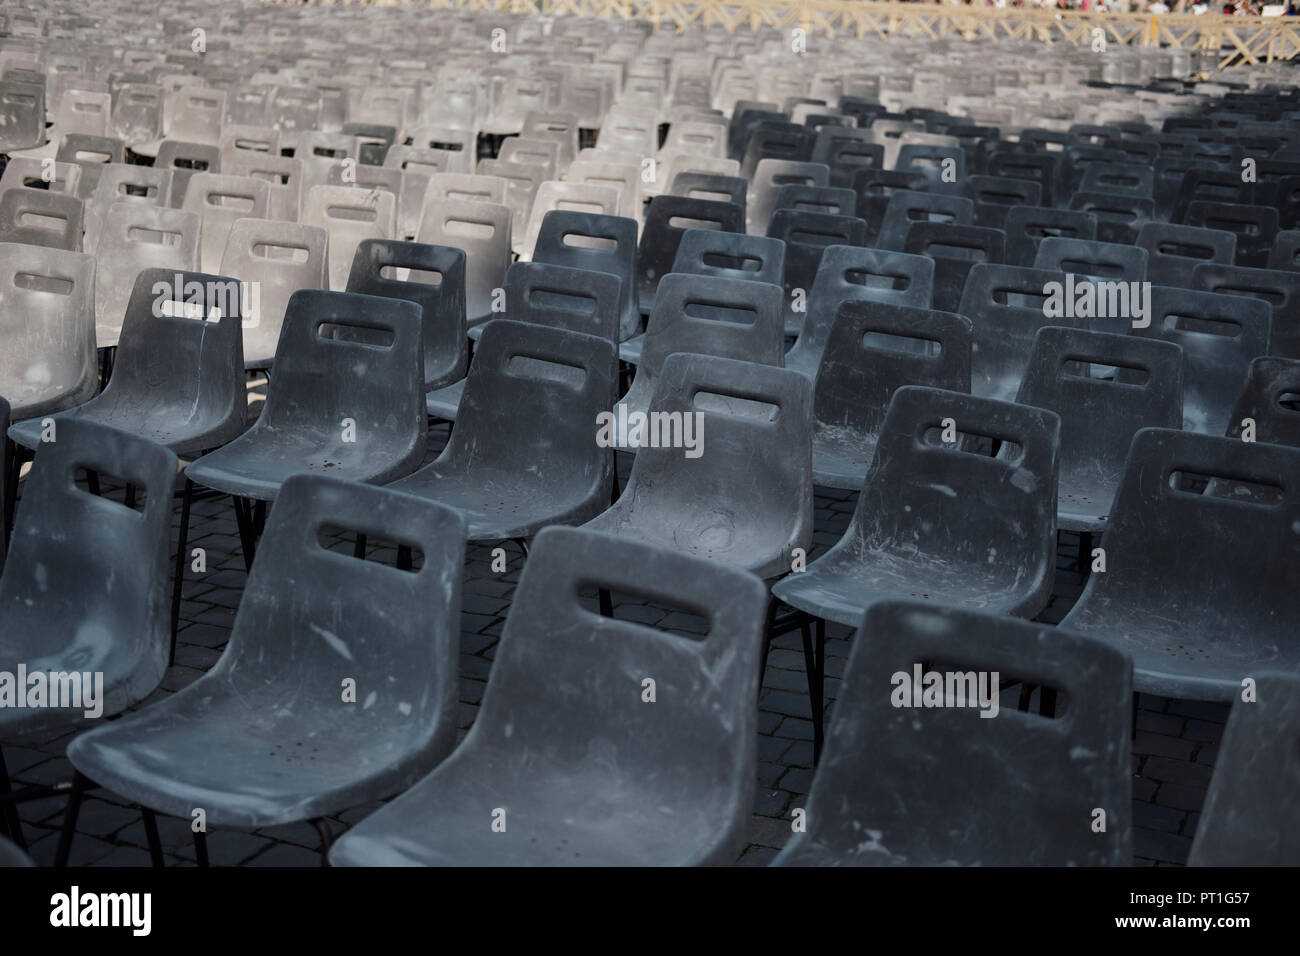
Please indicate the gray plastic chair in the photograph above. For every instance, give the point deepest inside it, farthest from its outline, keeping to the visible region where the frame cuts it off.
(733, 501)
(852, 272)
(1005, 330)
(1285, 255)
(1199, 588)
(1220, 335)
(1254, 226)
(1281, 290)
(861, 368)
(875, 799)
(1174, 251)
(323, 383)
(1119, 217)
(706, 315)
(1107, 261)
(266, 737)
(276, 259)
(178, 375)
(905, 208)
(442, 304)
(47, 329)
(37, 217)
(941, 523)
(122, 183)
(807, 237)
(1099, 416)
(283, 173)
(524, 454)
(1271, 399)
(222, 200)
(185, 161)
(1250, 814)
(661, 236)
(22, 115)
(666, 783)
(61, 611)
(582, 240)
(1027, 226)
(955, 249)
(351, 215)
(994, 197)
(482, 231)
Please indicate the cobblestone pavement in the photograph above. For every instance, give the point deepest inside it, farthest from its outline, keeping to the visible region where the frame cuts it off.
(1173, 757)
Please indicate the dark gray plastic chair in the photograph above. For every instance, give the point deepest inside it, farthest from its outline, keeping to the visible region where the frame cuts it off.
(875, 798)
(955, 249)
(1281, 290)
(1129, 179)
(1027, 226)
(1285, 255)
(177, 377)
(58, 218)
(267, 736)
(829, 200)
(732, 189)
(994, 196)
(667, 219)
(706, 315)
(1199, 588)
(1250, 816)
(1005, 330)
(1119, 217)
(579, 240)
(524, 453)
(442, 304)
(1037, 168)
(852, 272)
(1271, 399)
(1087, 257)
(1220, 335)
(59, 609)
(1254, 226)
(861, 368)
(1174, 251)
(47, 329)
(1099, 416)
(664, 783)
(906, 208)
(729, 498)
(22, 115)
(943, 524)
(807, 235)
(340, 407)
(186, 160)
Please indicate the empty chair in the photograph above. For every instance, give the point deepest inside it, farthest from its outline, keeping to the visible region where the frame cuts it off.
(221, 200)
(283, 173)
(1119, 216)
(47, 329)
(598, 243)
(994, 196)
(905, 208)
(769, 176)
(1099, 416)
(262, 737)
(1027, 226)
(1199, 588)
(835, 202)
(276, 259)
(704, 481)
(350, 409)
(138, 236)
(941, 521)
(1174, 251)
(22, 115)
(1220, 335)
(185, 161)
(576, 197)
(61, 611)
(1281, 290)
(351, 215)
(1286, 251)
(807, 236)
(1254, 226)
(681, 789)
(955, 249)
(1087, 257)
(1007, 305)
(708, 315)
(482, 231)
(861, 368)
(851, 272)
(667, 220)
(712, 186)
(31, 173)
(442, 303)
(38, 217)
(1269, 406)
(524, 453)
(1249, 816)
(178, 374)
(120, 183)
(875, 800)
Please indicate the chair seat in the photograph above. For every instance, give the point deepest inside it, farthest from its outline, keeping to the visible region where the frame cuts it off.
(630, 351)
(841, 457)
(444, 403)
(720, 536)
(1083, 506)
(841, 585)
(160, 425)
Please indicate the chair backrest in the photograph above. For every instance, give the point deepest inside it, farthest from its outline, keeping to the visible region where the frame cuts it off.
(274, 259)
(1281, 290)
(713, 186)
(1027, 226)
(197, 116)
(1174, 251)
(122, 183)
(1271, 401)
(578, 300)
(730, 255)
(442, 303)
(47, 325)
(953, 501)
(351, 215)
(807, 236)
(221, 199)
(1250, 817)
(600, 243)
(667, 220)
(22, 115)
(875, 798)
(33, 173)
(185, 160)
(905, 208)
(136, 236)
(1254, 226)
(482, 231)
(575, 197)
(1087, 257)
(56, 583)
(704, 741)
(769, 176)
(955, 249)
(37, 217)
(283, 173)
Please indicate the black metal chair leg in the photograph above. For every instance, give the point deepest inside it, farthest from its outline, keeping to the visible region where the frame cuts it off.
(244, 519)
(178, 579)
(12, 823)
(151, 834)
(767, 640)
(201, 848)
(70, 814)
(812, 666)
(326, 838)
